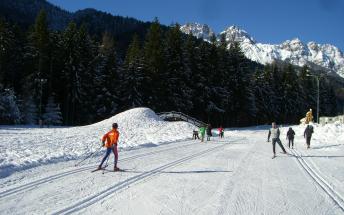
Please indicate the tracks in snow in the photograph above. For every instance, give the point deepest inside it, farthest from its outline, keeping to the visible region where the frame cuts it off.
(88, 201)
(316, 176)
(51, 178)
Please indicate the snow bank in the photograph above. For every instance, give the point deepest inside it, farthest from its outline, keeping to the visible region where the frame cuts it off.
(324, 135)
(22, 148)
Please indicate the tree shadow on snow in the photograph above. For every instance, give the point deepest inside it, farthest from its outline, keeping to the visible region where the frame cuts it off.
(180, 172)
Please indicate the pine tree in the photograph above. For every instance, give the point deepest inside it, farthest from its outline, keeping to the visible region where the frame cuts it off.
(106, 79)
(202, 88)
(9, 111)
(154, 65)
(52, 115)
(41, 42)
(87, 64)
(10, 56)
(190, 53)
(78, 67)
(37, 59)
(29, 111)
(177, 93)
(190, 62)
(290, 102)
(56, 75)
(242, 102)
(70, 72)
(132, 76)
(221, 94)
(308, 90)
(6, 44)
(328, 103)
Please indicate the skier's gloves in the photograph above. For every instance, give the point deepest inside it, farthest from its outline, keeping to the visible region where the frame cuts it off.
(103, 144)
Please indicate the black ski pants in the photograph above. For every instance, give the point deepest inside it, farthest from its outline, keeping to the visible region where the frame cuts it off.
(274, 140)
(291, 140)
(308, 140)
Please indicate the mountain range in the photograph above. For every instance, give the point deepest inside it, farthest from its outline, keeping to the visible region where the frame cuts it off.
(317, 56)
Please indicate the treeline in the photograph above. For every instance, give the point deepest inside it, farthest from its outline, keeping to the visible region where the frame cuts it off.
(72, 78)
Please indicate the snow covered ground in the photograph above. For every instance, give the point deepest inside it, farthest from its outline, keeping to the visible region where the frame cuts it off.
(167, 173)
(25, 147)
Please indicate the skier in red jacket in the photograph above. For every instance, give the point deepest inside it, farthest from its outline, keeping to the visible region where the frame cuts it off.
(110, 140)
(220, 132)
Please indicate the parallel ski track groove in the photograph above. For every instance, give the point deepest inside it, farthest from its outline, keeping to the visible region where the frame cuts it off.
(325, 186)
(123, 184)
(71, 172)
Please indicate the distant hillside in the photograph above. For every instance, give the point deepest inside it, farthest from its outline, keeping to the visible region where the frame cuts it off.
(123, 28)
(24, 14)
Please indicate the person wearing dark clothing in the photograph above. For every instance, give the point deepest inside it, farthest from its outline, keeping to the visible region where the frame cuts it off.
(308, 135)
(290, 137)
(274, 133)
(221, 131)
(195, 135)
(209, 132)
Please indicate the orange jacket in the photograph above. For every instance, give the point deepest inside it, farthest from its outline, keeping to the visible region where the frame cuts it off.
(111, 138)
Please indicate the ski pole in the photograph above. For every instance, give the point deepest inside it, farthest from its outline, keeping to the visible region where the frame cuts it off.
(90, 155)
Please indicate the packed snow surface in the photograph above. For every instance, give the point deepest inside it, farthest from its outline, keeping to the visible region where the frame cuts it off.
(26, 147)
(169, 175)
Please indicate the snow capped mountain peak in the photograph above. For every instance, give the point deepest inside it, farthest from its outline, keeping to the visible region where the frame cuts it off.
(234, 33)
(293, 51)
(198, 30)
(294, 45)
(296, 42)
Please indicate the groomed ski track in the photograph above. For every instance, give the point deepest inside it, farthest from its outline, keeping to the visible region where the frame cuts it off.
(235, 175)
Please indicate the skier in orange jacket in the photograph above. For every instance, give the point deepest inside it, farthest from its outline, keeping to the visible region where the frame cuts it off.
(110, 140)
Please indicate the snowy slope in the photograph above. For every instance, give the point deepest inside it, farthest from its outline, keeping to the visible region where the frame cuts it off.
(294, 51)
(234, 175)
(23, 148)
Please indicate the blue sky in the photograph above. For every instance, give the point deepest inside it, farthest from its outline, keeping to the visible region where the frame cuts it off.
(268, 21)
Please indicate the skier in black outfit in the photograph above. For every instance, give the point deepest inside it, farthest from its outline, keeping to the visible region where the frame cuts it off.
(290, 137)
(209, 132)
(274, 132)
(308, 135)
(195, 135)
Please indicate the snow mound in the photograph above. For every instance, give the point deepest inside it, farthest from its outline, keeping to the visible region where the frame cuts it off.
(25, 147)
(330, 134)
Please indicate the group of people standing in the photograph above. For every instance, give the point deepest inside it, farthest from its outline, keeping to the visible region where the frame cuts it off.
(203, 130)
(274, 133)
